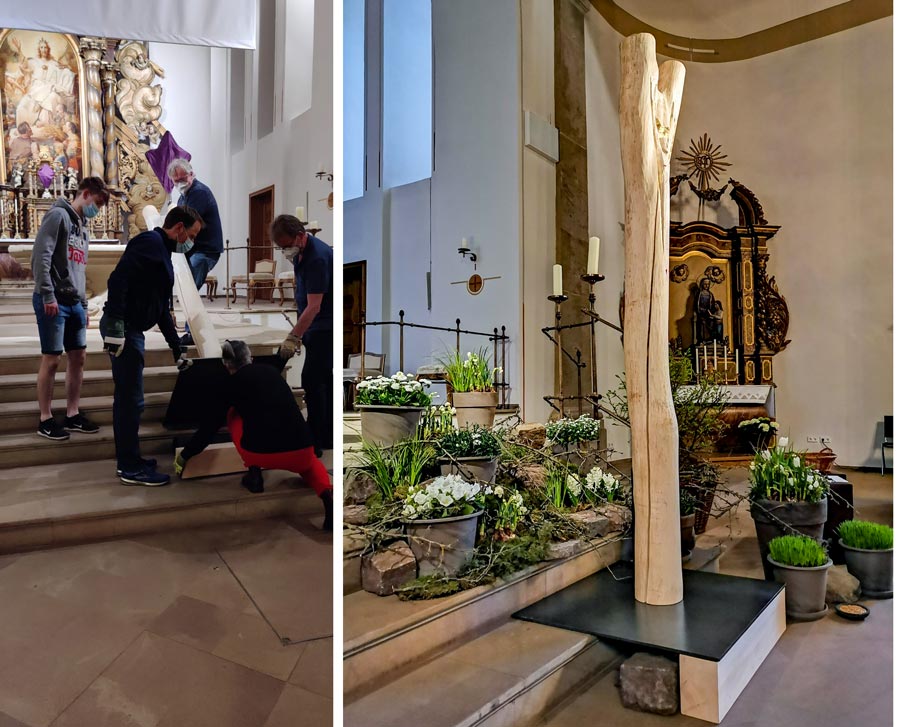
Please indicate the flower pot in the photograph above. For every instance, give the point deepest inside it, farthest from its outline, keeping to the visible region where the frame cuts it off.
(444, 545)
(481, 469)
(687, 535)
(475, 407)
(804, 589)
(387, 425)
(805, 518)
(873, 568)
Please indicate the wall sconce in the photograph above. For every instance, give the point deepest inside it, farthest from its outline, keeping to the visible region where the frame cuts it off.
(466, 252)
(322, 174)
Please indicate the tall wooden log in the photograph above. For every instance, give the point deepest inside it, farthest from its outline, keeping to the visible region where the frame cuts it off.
(649, 102)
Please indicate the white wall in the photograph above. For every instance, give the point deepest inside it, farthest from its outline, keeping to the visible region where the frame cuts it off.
(808, 129)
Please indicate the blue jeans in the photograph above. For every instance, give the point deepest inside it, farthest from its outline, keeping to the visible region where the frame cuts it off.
(201, 263)
(128, 399)
(66, 331)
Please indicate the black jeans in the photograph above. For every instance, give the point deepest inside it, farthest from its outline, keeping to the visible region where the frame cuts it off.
(317, 381)
(128, 399)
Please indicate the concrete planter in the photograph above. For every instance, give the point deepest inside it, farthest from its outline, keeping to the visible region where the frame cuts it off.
(443, 545)
(471, 468)
(873, 568)
(475, 407)
(806, 518)
(387, 425)
(804, 589)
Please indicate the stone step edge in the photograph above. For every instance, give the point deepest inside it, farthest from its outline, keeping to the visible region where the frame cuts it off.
(72, 530)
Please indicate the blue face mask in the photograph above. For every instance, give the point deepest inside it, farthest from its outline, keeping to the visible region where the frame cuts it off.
(90, 210)
(184, 247)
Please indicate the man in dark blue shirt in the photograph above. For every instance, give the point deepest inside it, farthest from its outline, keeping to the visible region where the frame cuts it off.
(313, 266)
(191, 192)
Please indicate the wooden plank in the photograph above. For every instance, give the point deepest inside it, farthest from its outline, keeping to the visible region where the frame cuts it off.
(216, 459)
(709, 688)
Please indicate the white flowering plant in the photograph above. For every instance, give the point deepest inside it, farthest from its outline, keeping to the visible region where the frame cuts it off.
(782, 474)
(507, 507)
(570, 431)
(398, 390)
(436, 421)
(600, 485)
(472, 373)
(758, 431)
(563, 488)
(474, 441)
(445, 496)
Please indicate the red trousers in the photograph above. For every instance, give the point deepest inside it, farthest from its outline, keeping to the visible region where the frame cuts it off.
(301, 461)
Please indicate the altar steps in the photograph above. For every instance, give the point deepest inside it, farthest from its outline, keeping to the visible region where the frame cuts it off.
(461, 660)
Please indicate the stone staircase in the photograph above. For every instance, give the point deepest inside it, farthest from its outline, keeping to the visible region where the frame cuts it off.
(461, 661)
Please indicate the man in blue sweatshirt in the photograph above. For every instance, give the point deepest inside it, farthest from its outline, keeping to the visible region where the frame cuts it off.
(139, 290)
(191, 192)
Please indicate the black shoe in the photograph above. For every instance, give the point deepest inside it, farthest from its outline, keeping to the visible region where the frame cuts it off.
(319, 452)
(80, 423)
(186, 340)
(149, 464)
(253, 480)
(145, 477)
(51, 430)
(328, 502)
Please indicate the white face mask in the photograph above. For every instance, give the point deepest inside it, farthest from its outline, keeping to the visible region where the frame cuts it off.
(291, 252)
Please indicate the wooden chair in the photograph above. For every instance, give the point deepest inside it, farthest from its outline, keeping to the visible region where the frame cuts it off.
(262, 277)
(284, 280)
(373, 366)
(212, 285)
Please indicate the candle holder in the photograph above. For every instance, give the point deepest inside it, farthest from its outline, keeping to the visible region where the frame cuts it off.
(467, 253)
(592, 279)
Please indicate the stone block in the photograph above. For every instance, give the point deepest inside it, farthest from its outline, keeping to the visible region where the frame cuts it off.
(595, 525)
(842, 587)
(531, 435)
(388, 569)
(567, 549)
(649, 683)
(354, 541)
(358, 488)
(356, 514)
(619, 516)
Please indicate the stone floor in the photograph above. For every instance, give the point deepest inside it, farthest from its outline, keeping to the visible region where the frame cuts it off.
(827, 673)
(225, 626)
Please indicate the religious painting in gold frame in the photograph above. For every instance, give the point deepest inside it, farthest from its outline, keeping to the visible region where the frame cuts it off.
(686, 273)
(42, 91)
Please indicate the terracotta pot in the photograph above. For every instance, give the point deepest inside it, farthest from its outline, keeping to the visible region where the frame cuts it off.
(387, 425)
(806, 518)
(873, 568)
(804, 589)
(475, 407)
(471, 468)
(443, 545)
(687, 535)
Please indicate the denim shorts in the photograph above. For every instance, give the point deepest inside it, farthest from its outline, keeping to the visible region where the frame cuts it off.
(66, 331)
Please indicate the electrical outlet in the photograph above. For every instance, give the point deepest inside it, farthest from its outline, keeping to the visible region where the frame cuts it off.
(826, 440)
(812, 440)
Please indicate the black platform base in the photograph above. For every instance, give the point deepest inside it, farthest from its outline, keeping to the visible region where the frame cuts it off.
(716, 611)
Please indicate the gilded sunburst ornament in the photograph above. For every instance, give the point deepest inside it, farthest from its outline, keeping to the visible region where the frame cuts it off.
(704, 161)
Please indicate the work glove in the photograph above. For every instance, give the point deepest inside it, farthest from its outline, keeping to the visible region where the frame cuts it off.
(180, 462)
(289, 347)
(182, 362)
(114, 340)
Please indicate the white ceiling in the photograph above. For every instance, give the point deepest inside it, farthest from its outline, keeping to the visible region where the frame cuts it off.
(720, 19)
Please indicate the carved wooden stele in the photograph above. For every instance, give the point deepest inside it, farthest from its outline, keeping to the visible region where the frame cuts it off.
(649, 102)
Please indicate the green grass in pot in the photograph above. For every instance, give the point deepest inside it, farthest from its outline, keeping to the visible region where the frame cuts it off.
(865, 535)
(798, 551)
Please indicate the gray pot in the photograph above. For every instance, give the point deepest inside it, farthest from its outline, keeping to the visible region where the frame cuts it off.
(687, 535)
(806, 518)
(475, 407)
(873, 568)
(387, 425)
(443, 545)
(471, 468)
(804, 589)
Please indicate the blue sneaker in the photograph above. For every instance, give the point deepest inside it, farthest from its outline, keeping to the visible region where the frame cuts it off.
(148, 463)
(145, 477)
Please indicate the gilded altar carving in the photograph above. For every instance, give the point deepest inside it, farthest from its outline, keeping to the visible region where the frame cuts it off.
(772, 317)
(92, 50)
(138, 99)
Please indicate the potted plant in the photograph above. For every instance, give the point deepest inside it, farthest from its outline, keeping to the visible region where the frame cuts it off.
(700, 479)
(757, 433)
(509, 508)
(687, 508)
(566, 434)
(390, 407)
(441, 518)
(787, 496)
(801, 564)
(404, 464)
(869, 550)
(472, 452)
(472, 381)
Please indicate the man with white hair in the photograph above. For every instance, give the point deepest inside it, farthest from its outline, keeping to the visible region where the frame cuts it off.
(191, 192)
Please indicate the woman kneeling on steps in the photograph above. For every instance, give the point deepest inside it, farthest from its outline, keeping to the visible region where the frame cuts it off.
(266, 425)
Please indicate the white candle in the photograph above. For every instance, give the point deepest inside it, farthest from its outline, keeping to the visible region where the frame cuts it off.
(301, 213)
(557, 280)
(737, 365)
(697, 363)
(705, 359)
(314, 225)
(464, 244)
(593, 265)
(715, 356)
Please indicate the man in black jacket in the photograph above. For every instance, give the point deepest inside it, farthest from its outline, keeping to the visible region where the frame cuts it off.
(139, 290)
(191, 192)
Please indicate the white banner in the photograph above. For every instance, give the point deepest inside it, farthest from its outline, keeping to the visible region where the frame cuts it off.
(218, 23)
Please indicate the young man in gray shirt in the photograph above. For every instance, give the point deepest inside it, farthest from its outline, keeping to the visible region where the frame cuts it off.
(58, 262)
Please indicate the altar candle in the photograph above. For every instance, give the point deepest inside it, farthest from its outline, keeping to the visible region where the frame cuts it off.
(737, 365)
(557, 280)
(464, 244)
(593, 265)
(697, 363)
(301, 213)
(715, 356)
(705, 361)
(314, 225)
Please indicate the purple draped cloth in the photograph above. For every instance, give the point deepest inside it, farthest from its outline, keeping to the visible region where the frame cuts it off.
(161, 157)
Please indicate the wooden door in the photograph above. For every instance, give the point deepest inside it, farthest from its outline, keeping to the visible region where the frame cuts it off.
(354, 305)
(262, 212)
